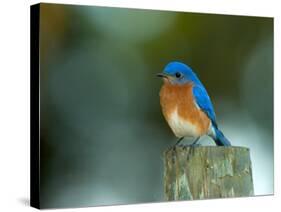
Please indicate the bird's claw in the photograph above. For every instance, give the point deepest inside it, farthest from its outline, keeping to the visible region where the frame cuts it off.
(195, 145)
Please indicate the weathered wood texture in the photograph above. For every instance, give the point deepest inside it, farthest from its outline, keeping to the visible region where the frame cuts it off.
(207, 172)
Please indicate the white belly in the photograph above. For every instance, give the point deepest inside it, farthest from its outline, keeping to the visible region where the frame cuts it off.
(182, 127)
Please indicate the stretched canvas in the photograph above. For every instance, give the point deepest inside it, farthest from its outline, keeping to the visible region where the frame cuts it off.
(142, 106)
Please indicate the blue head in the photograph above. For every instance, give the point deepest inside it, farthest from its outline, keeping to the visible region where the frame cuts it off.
(178, 73)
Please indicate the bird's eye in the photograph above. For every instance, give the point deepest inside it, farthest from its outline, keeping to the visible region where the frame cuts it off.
(178, 75)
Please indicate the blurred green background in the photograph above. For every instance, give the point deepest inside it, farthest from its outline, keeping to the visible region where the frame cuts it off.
(102, 131)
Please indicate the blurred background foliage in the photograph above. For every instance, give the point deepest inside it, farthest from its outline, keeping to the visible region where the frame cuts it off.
(102, 131)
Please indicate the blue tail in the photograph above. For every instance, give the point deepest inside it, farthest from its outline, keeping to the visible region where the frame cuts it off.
(220, 139)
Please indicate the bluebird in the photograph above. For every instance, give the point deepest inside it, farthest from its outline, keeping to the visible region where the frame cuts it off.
(187, 106)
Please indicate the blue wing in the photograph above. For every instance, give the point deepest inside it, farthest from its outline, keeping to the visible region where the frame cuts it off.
(204, 102)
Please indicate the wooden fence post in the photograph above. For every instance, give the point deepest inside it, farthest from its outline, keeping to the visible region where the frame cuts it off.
(206, 172)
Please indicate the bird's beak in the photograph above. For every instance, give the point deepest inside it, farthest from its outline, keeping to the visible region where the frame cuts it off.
(162, 75)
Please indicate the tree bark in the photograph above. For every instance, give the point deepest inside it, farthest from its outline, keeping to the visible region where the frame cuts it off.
(207, 172)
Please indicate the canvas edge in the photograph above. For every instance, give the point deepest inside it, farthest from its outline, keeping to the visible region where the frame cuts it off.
(34, 107)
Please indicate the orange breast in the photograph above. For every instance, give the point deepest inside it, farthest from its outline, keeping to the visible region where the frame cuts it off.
(179, 98)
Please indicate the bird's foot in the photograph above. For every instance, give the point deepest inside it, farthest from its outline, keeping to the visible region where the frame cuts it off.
(195, 145)
(184, 146)
(173, 147)
(190, 145)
